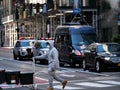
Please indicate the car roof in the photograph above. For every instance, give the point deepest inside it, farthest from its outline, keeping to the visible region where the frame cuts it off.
(25, 40)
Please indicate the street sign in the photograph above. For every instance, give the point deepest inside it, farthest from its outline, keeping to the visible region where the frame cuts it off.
(77, 10)
(77, 6)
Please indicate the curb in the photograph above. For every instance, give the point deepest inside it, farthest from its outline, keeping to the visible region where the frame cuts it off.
(6, 48)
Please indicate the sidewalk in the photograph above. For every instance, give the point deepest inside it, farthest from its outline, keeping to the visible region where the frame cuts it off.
(5, 48)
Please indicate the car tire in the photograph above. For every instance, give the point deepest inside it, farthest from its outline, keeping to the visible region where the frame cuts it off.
(20, 58)
(61, 64)
(84, 65)
(15, 57)
(98, 66)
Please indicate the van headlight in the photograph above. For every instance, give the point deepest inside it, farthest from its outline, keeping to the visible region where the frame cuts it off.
(76, 52)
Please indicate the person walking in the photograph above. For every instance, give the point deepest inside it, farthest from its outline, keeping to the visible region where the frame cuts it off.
(53, 65)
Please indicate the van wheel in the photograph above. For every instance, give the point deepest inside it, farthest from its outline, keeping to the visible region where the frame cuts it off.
(72, 63)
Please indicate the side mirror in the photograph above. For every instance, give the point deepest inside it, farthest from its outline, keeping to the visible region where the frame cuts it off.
(93, 51)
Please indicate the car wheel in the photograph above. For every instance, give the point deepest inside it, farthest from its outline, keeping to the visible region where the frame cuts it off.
(84, 65)
(72, 63)
(61, 64)
(14, 56)
(19, 56)
(98, 66)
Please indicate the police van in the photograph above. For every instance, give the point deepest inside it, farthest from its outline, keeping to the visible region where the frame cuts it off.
(71, 40)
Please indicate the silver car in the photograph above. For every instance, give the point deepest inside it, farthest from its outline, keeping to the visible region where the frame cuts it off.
(40, 47)
(23, 49)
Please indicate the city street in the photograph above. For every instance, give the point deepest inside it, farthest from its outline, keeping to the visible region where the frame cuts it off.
(77, 78)
(82, 36)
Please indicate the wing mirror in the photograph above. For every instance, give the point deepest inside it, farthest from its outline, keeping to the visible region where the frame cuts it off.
(93, 51)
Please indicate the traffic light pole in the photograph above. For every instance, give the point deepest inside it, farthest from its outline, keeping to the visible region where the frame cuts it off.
(17, 31)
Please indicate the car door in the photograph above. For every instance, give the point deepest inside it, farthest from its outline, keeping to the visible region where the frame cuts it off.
(16, 48)
(92, 55)
(87, 53)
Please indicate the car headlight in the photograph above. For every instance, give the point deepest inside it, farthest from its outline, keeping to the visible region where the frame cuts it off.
(44, 52)
(107, 58)
(23, 49)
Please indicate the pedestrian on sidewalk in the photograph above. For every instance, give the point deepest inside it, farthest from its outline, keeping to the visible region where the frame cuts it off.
(53, 61)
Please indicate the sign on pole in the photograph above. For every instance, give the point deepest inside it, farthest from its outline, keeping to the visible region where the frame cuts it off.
(77, 6)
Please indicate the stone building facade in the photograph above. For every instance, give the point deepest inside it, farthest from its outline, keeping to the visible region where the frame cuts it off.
(39, 18)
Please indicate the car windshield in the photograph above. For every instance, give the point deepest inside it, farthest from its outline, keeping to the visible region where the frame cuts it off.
(24, 44)
(44, 45)
(114, 47)
(102, 48)
(85, 38)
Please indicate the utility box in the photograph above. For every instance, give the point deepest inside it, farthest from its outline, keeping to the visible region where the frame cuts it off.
(12, 77)
(2, 76)
(26, 78)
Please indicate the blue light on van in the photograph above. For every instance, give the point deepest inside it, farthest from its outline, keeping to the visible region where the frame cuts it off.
(83, 29)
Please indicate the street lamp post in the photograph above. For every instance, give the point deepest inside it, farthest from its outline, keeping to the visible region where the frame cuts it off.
(17, 29)
(17, 18)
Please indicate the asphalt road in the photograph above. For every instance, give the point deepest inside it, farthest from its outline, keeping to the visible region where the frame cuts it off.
(77, 78)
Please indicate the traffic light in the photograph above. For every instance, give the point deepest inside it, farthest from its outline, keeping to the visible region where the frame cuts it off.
(23, 9)
(30, 8)
(37, 7)
(16, 14)
(50, 4)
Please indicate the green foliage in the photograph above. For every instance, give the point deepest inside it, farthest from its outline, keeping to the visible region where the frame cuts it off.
(116, 38)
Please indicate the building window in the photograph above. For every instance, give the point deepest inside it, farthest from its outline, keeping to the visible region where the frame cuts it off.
(64, 3)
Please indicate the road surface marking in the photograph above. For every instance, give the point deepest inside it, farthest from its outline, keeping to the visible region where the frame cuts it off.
(90, 84)
(67, 87)
(39, 81)
(110, 82)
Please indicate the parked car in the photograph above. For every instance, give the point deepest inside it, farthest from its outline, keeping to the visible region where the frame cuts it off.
(101, 56)
(70, 40)
(23, 49)
(40, 47)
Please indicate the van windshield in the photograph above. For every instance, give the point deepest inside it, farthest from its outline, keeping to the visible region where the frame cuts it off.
(79, 39)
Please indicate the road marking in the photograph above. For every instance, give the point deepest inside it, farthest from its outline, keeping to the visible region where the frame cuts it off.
(39, 81)
(67, 87)
(110, 82)
(90, 84)
(66, 75)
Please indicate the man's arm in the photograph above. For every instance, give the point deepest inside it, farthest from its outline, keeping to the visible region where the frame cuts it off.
(44, 56)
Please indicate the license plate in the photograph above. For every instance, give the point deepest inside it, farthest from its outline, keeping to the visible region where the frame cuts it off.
(119, 64)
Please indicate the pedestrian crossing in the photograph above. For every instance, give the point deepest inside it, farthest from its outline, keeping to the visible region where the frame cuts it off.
(88, 84)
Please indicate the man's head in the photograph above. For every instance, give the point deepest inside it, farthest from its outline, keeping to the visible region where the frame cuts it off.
(51, 44)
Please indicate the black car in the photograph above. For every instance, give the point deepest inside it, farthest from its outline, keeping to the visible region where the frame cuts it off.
(101, 56)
